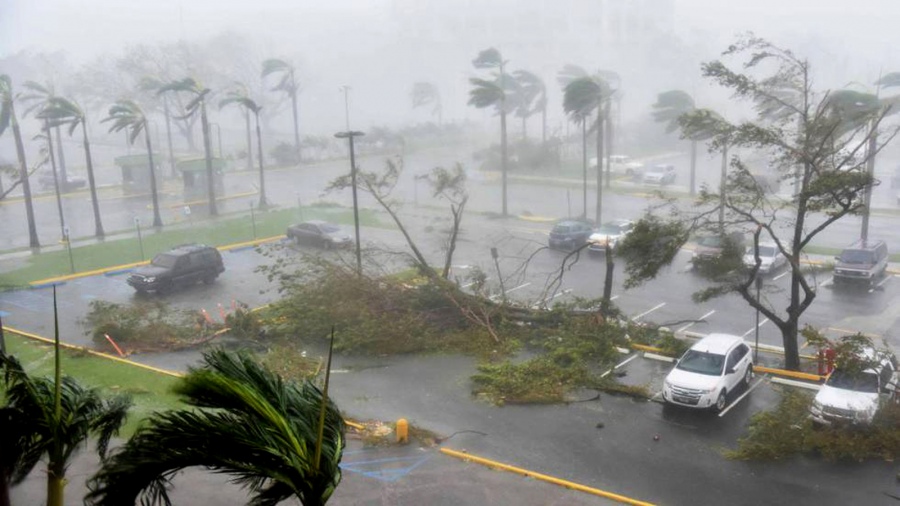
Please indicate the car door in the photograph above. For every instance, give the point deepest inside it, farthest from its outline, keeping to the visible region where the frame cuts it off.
(182, 271)
(733, 371)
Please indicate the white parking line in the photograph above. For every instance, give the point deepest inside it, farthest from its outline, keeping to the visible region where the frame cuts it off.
(614, 297)
(783, 274)
(739, 399)
(645, 313)
(763, 322)
(689, 325)
(518, 287)
(883, 281)
(620, 364)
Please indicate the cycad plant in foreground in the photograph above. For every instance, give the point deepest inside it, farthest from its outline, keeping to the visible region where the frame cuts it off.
(246, 422)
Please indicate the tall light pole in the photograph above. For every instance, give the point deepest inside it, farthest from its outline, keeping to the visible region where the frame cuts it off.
(349, 134)
(346, 90)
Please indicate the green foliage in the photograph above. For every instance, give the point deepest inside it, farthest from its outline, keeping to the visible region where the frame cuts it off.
(669, 345)
(144, 325)
(652, 244)
(244, 323)
(544, 379)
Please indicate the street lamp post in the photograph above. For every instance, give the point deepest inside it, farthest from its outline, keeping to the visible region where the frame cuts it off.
(218, 136)
(759, 282)
(350, 135)
(137, 225)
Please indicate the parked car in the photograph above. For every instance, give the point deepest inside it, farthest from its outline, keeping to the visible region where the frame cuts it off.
(660, 174)
(708, 371)
(854, 397)
(319, 233)
(711, 246)
(863, 262)
(621, 165)
(610, 232)
(771, 258)
(570, 234)
(45, 181)
(179, 267)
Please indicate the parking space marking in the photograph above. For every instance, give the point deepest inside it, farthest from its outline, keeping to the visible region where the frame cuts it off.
(645, 313)
(689, 325)
(620, 364)
(783, 274)
(763, 322)
(739, 399)
(388, 469)
(879, 285)
(518, 287)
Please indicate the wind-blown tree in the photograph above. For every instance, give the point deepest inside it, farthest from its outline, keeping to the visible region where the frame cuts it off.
(671, 105)
(39, 95)
(288, 84)
(800, 130)
(249, 106)
(424, 93)
(20, 449)
(703, 124)
(579, 115)
(62, 111)
(127, 115)
(494, 93)
(197, 103)
(240, 92)
(8, 118)
(532, 96)
(582, 96)
(245, 421)
(60, 416)
(152, 85)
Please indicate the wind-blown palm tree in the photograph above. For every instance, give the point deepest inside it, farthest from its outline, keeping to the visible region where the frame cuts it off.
(62, 111)
(704, 124)
(7, 119)
(39, 95)
(239, 92)
(289, 85)
(61, 415)
(582, 96)
(198, 102)
(532, 98)
(671, 105)
(246, 422)
(250, 106)
(493, 93)
(20, 449)
(152, 85)
(127, 115)
(424, 93)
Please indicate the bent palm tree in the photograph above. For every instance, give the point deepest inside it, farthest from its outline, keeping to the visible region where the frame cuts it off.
(198, 102)
(250, 106)
(152, 85)
(40, 95)
(582, 96)
(246, 422)
(671, 105)
(7, 119)
(127, 115)
(62, 111)
(423, 93)
(288, 84)
(533, 98)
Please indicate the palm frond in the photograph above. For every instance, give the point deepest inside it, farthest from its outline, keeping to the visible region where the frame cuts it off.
(273, 65)
(889, 80)
(569, 73)
(670, 105)
(485, 93)
(488, 58)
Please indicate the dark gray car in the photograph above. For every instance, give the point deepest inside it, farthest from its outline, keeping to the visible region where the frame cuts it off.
(319, 233)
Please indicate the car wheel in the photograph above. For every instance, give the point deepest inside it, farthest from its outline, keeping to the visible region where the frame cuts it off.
(165, 288)
(209, 279)
(720, 401)
(326, 244)
(748, 375)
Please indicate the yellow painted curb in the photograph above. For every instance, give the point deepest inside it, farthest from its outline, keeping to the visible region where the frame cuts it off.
(544, 477)
(254, 242)
(644, 347)
(792, 374)
(357, 426)
(536, 219)
(85, 274)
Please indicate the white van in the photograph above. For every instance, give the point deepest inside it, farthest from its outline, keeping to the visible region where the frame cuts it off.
(708, 371)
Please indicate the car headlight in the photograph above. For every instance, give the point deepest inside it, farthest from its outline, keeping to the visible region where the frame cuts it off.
(150, 279)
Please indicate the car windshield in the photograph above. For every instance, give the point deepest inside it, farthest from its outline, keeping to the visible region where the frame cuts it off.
(702, 362)
(563, 229)
(328, 228)
(858, 382)
(609, 229)
(164, 260)
(764, 251)
(857, 256)
(710, 241)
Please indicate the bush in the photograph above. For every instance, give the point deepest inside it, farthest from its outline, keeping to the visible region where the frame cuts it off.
(146, 325)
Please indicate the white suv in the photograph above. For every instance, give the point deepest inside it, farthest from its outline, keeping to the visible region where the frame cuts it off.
(708, 371)
(855, 397)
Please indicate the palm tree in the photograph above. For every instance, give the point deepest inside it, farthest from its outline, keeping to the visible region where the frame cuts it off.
(7, 119)
(579, 116)
(532, 98)
(582, 96)
(62, 111)
(288, 84)
(198, 102)
(277, 438)
(671, 105)
(493, 93)
(423, 93)
(20, 449)
(61, 415)
(240, 92)
(39, 96)
(250, 106)
(151, 84)
(127, 115)
(703, 124)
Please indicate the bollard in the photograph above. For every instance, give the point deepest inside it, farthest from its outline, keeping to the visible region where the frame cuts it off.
(402, 431)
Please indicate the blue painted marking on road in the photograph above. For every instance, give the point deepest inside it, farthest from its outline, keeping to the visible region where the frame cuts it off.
(242, 248)
(385, 469)
(4, 314)
(47, 285)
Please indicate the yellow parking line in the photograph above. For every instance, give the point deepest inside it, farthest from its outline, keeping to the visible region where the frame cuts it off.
(543, 477)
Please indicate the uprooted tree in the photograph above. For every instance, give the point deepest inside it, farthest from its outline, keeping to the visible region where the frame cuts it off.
(817, 140)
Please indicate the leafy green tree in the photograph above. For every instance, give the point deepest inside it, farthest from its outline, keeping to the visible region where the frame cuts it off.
(494, 93)
(39, 95)
(197, 103)
(7, 119)
(671, 105)
(278, 439)
(249, 106)
(288, 84)
(127, 115)
(800, 129)
(424, 93)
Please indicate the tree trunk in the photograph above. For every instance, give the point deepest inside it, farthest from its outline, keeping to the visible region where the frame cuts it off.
(871, 148)
(609, 132)
(524, 128)
(296, 120)
(56, 485)
(503, 153)
(154, 194)
(263, 203)
(457, 212)
(723, 177)
(584, 166)
(608, 280)
(56, 178)
(693, 168)
(598, 214)
(544, 125)
(60, 155)
(4, 492)
(249, 139)
(172, 169)
(33, 241)
(210, 177)
(98, 224)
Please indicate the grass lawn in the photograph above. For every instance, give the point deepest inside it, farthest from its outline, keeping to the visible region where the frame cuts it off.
(218, 232)
(150, 391)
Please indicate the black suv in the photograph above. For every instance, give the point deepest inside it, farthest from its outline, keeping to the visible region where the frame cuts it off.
(862, 262)
(181, 266)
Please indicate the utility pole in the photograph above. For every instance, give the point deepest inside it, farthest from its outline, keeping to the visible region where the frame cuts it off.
(349, 135)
